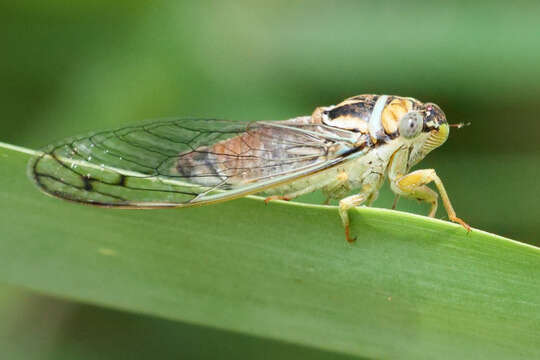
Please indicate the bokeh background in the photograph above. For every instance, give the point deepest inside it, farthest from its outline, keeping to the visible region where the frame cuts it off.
(69, 67)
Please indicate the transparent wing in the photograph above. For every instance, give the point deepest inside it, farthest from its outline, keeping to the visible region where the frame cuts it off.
(185, 162)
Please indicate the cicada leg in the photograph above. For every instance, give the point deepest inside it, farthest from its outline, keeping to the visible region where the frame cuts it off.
(278, 197)
(288, 197)
(369, 193)
(413, 185)
(344, 206)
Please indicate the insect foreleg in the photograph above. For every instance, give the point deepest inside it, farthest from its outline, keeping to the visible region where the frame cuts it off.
(413, 185)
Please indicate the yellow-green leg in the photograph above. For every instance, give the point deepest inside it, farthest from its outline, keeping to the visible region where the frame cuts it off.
(344, 206)
(413, 185)
(291, 196)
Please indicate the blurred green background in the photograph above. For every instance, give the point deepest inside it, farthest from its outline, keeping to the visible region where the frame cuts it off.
(72, 67)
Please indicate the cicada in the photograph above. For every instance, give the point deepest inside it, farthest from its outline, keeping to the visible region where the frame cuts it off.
(354, 145)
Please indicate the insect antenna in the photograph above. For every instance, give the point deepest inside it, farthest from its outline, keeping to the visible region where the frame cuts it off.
(459, 125)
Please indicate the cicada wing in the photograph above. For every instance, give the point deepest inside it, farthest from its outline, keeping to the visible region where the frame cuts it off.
(170, 163)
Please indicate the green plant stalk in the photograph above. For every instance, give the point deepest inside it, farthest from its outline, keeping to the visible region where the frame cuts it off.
(410, 287)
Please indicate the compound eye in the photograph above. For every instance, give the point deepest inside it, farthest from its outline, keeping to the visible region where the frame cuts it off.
(410, 125)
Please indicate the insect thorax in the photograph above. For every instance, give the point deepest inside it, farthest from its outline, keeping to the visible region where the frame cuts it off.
(374, 115)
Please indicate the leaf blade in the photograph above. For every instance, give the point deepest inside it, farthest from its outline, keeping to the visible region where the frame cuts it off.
(410, 287)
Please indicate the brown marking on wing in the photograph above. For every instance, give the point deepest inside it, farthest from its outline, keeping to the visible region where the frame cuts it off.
(259, 152)
(239, 156)
(227, 160)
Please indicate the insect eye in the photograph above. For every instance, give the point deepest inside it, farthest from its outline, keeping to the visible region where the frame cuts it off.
(410, 125)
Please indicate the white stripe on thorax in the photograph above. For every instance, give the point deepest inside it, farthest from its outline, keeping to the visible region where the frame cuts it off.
(375, 124)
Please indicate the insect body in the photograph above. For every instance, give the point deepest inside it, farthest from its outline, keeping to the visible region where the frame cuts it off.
(354, 145)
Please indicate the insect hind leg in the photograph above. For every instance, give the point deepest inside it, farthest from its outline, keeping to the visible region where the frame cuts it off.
(291, 196)
(278, 197)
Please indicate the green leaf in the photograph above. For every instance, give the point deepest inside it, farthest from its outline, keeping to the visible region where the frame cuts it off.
(410, 287)
(39, 327)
